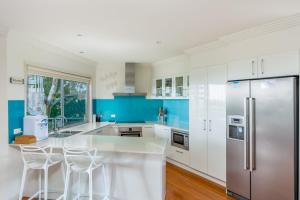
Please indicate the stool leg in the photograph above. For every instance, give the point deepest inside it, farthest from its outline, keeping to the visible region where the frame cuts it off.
(40, 184)
(78, 185)
(46, 183)
(62, 168)
(23, 183)
(105, 182)
(90, 184)
(67, 183)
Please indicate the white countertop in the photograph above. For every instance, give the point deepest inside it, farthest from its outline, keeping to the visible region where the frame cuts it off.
(104, 143)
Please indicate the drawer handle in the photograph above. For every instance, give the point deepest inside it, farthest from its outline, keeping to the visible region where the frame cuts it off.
(179, 152)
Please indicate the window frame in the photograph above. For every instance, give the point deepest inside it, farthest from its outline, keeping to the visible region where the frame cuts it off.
(40, 71)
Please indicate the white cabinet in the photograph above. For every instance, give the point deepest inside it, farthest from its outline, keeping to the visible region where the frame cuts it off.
(148, 131)
(208, 121)
(170, 86)
(216, 115)
(272, 65)
(198, 119)
(242, 69)
(174, 153)
(282, 64)
(179, 155)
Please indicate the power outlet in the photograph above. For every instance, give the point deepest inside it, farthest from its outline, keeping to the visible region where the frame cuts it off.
(17, 131)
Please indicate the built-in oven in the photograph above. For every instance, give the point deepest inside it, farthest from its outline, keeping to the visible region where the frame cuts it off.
(130, 131)
(180, 139)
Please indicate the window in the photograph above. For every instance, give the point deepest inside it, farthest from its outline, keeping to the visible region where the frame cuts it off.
(63, 100)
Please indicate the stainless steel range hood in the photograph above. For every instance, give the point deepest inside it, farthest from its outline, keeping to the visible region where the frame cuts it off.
(129, 89)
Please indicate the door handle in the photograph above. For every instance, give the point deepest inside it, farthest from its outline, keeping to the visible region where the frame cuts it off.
(252, 133)
(204, 124)
(262, 66)
(253, 62)
(179, 152)
(209, 125)
(246, 133)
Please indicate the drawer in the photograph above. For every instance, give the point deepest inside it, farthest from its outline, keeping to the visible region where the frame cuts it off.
(179, 155)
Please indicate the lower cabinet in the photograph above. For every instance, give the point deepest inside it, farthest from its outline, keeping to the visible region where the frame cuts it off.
(148, 131)
(179, 155)
(174, 153)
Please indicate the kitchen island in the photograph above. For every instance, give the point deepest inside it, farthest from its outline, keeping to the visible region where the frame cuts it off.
(135, 166)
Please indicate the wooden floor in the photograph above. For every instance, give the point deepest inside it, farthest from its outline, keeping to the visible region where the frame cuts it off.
(183, 185)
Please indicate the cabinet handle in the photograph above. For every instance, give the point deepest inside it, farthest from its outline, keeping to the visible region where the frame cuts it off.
(179, 152)
(262, 66)
(209, 125)
(253, 73)
(204, 125)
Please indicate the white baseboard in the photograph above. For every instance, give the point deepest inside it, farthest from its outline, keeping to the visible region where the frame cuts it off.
(203, 175)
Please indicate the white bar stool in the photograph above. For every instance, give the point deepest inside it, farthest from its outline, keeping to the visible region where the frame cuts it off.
(41, 159)
(83, 161)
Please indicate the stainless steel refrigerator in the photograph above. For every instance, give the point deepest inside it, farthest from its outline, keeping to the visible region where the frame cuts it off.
(262, 139)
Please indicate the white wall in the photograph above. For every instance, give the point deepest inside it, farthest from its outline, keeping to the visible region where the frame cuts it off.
(171, 66)
(22, 50)
(16, 51)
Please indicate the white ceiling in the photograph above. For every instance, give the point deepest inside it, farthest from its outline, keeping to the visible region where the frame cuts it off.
(127, 30)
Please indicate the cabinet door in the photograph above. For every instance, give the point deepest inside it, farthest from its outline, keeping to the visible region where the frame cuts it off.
(179, 86)
(148, 131)
(159, 87)
(198, 119)
(242, 69)
(216, 137)
(168, 87)
(179, 155)
(282, 64)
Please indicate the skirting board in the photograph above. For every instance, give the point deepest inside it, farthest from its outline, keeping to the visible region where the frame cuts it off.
(203, 175)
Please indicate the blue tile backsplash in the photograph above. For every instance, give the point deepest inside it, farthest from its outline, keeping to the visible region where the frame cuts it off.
(177, 112)
(15, 117)
(142, 109)
(128, 108)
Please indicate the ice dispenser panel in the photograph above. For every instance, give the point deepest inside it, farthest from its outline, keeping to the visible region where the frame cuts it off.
(236, 127)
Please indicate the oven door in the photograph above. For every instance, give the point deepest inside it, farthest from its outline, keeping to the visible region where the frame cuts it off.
(178, 140)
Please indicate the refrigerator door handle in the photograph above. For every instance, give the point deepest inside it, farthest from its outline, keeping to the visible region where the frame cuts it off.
(204, 125)
(246, 136)
(252, 134)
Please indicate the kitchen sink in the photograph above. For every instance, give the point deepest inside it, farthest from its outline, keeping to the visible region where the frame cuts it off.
(64, 134)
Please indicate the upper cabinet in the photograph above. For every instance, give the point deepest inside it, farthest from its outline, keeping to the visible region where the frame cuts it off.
(242, 69)
(283, 64)
(171, 87)
(273, 65)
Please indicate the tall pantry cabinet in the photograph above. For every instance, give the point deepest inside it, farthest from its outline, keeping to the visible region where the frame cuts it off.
(208, 120)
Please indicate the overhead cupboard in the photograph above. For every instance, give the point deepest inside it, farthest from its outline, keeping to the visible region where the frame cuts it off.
(170, 87)
(208, 120)
(272, 65)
